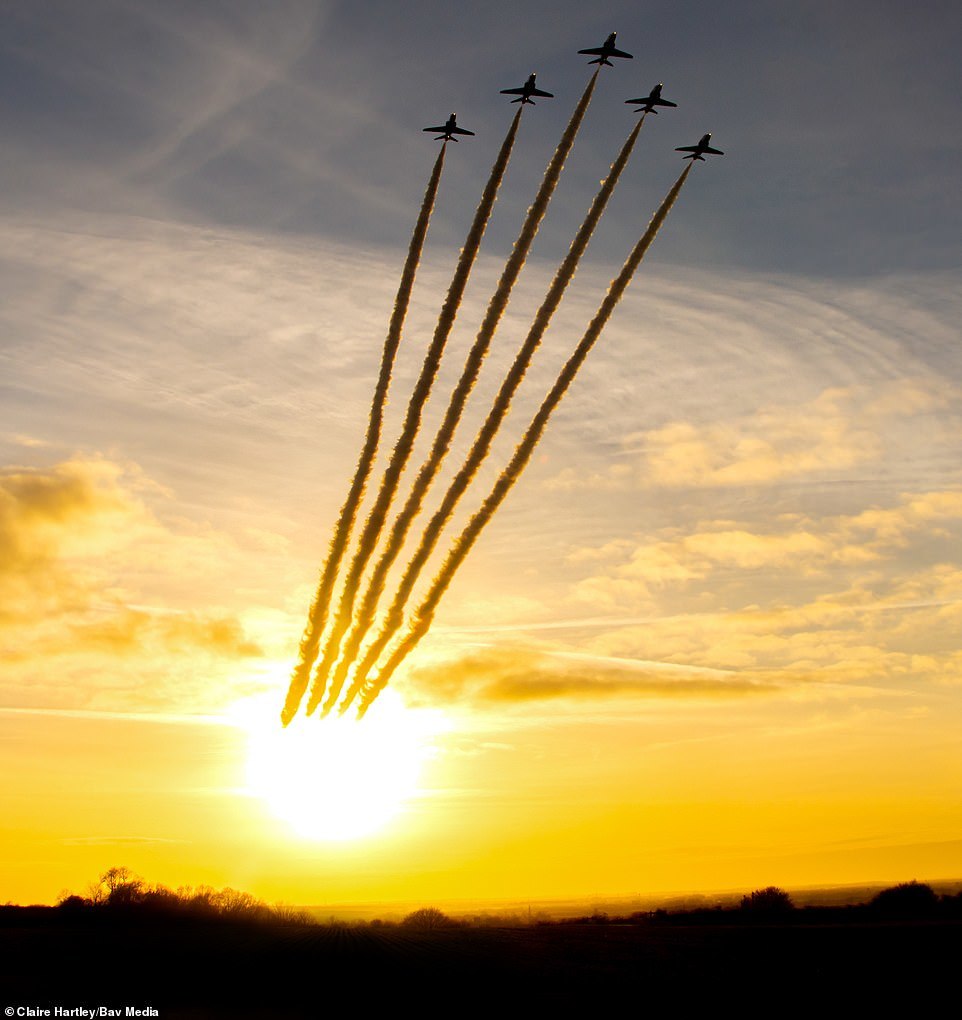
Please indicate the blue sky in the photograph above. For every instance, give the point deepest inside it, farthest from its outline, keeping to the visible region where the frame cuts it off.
(841, 123)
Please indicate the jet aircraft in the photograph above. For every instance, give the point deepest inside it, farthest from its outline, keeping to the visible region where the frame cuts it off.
(697, 151)
(650, 101)
(602, 53)
(449, 129)
(526, 91)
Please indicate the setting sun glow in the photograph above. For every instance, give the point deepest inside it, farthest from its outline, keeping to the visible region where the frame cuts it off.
(335, 779)
(651, 572)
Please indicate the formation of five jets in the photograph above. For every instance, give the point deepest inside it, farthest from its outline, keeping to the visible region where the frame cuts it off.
(448, 130)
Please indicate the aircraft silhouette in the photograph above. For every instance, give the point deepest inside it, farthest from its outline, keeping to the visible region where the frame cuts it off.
(650, 101)
(449, 129)
(696, 151)
(606, 50)
(526, 91)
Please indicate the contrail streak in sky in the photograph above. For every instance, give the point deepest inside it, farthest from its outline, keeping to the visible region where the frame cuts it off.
(412, 420)
(424, 614)
(459, 397)
(493, 422)
(317, 617)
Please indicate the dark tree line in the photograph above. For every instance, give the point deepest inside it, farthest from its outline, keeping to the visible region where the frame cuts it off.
(120, 891)
(907, 901)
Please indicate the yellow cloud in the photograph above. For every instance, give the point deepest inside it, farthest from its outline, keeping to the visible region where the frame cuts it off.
(806, 547)
(517, 674)
(130, 632)
(837, 431)
(74, 509)
(777, 442)
(56, 527)
(78, 545)
(855, 636)
(871, 599)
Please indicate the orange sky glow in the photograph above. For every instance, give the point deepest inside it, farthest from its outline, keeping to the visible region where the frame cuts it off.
(710, 641)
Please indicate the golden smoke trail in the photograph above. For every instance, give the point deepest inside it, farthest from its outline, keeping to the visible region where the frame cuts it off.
(317, 616)
(493, 422)
(412, 420)
(424, 614)
(452, 416)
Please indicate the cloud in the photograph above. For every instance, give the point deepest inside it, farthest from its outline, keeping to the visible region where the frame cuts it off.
(794, 544)
(80, 548)
(868, 599)
(136, 633)
(517, 674)
(218, 359)
(119, 841)
(841, 429)
(76, 510)
(862, 636)
(926, 511)
(776, 443)
(823, 652)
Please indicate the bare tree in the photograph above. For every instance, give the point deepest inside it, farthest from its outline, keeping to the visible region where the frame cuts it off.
(119, 886)
(428, 917)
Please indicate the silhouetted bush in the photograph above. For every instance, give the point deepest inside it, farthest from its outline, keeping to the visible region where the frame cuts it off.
(952, 905)
(768, 902)
(908, 899)
(73, 904)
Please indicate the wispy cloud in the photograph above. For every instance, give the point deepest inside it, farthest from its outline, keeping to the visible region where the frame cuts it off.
(80, 548)
(517, 673)
(839, 431)
(795, 544)
(120, 841)
(153, 341)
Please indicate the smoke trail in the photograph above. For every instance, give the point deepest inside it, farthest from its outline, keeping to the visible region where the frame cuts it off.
(424, 614)
(412, 419)
(499, 410)
(459, 397)
(317, 617)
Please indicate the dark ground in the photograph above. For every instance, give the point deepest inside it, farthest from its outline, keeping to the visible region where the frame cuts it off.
(188, 970)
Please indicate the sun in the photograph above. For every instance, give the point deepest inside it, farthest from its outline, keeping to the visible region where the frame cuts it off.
(338, 779)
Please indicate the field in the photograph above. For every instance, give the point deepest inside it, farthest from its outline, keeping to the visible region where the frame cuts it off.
(187, 970)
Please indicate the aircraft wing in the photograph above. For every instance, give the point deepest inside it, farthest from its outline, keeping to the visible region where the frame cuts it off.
(459, 131)
(525, 92)
(698, 151)
(648, 101)
(602, 53)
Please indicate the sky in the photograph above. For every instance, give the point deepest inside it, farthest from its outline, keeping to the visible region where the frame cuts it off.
(712, 638)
